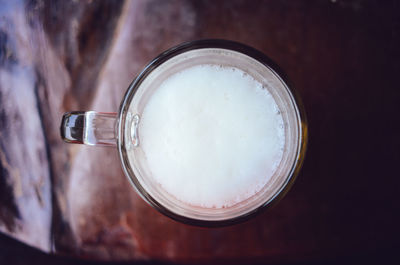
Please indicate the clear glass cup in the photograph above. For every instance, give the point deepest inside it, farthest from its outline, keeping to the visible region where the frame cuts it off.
(122, 129)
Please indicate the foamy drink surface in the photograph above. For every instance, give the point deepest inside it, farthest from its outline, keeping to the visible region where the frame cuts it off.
(213, 136)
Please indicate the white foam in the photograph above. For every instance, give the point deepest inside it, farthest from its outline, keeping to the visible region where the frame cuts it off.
(212, 136)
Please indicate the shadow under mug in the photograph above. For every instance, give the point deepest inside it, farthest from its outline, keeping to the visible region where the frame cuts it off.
(122, 129)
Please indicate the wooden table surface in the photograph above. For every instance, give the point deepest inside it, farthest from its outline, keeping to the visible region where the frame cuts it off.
(57, 56)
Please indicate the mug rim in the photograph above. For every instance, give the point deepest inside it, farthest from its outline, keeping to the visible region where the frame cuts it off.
(206, 44)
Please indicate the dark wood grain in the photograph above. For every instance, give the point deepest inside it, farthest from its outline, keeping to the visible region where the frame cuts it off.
(341, 56)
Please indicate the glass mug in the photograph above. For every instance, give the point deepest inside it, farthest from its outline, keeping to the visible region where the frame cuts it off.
(122, 129)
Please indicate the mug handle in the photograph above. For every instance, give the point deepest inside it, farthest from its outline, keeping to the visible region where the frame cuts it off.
(90, 128)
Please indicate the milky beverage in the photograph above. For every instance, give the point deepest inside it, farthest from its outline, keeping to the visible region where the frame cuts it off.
(212, 136)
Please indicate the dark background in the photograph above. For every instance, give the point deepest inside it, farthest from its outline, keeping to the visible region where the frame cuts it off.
(343, 58)
(16, 253)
